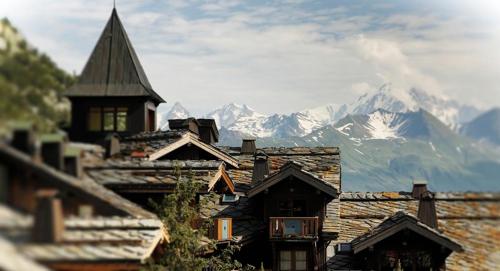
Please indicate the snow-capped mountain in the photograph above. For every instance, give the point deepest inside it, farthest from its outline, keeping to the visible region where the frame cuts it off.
(176, 112)
(447, 110)
(231, 113)
(382, 124)
(243, 121)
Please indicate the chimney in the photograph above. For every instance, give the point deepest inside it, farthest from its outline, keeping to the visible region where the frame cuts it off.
(248, 146)
(52, 150)
(190, 124)
(208, 131)
(111, 144)
(427, 210)
(419, 187)
(260, 167)
(48, 225)
(72, 161)
(23, 137)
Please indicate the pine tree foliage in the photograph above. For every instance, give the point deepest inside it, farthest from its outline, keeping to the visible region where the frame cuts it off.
(188, 240)
(31, 84)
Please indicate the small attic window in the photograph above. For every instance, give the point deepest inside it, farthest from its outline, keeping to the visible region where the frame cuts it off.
(230, 198)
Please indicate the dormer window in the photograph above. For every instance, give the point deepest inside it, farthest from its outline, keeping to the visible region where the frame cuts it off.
(229, 198)
(108, 119)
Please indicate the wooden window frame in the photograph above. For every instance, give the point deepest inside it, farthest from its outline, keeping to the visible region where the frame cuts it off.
(293, 259)
(102, 112)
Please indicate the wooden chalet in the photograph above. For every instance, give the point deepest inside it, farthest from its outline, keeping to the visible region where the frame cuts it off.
(113, 93)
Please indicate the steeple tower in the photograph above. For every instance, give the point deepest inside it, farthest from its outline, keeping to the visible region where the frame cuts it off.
(113, 93)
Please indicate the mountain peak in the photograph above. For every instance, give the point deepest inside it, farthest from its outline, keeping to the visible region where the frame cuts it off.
(177, 111)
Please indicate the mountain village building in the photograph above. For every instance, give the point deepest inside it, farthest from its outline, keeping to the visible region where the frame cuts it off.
(85, 206)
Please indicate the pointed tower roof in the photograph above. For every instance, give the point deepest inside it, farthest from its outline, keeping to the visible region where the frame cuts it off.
(113, 68)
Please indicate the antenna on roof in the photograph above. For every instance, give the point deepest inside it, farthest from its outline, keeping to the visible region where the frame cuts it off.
(114, 4)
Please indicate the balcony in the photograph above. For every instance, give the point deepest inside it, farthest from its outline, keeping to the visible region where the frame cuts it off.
(293, 228)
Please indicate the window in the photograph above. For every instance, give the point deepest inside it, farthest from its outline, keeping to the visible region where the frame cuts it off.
(285, 260)
(107, 119)
(121, 119)
(94, 119)
(293, 260)
(229, 198)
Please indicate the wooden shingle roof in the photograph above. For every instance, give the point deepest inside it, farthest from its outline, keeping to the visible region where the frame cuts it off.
(113, 68)
(471, 219)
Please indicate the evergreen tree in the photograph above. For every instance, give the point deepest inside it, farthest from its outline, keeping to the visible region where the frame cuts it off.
(187, 244)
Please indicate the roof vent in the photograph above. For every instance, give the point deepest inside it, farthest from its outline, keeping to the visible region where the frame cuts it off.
(419, 187)
(260, 167)
(48, 219)
(248, 146)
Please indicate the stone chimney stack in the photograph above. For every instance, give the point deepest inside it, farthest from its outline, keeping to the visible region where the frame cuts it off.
(52, 150)
(248, 146)
(419, 187)
(72, 161)
(190, 124)
(260, 167)
(208, 131)
(111, 145)
(23, 138)
(48, 224)
(427, 210)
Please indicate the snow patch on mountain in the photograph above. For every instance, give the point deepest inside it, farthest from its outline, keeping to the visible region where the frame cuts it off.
(230, 113)
(383, 125)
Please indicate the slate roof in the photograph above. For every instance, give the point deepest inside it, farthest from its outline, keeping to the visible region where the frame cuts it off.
(113, 68)
(96, 239)
(156, 144)
(401, 218)
(470, 219)
(85, 188)
(295, 169)
(12, 260)
(158, 175)
(323, 162)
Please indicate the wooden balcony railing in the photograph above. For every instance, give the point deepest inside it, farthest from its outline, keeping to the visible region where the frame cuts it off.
(293, 227)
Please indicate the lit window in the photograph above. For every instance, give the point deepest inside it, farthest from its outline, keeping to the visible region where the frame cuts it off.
(94, 119)
(109, 119)
(121, 119)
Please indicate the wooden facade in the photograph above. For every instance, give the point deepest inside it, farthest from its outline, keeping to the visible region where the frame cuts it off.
(113, 94)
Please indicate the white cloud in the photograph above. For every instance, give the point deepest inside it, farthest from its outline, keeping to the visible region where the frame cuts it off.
(275, 57)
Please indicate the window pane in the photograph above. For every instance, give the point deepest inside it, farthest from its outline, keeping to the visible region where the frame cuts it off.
(300, 265)
(121, 119)
(300, 260)
(300, 255)
(285, 260)
(94, 119)
(286, 255)
(109, 119)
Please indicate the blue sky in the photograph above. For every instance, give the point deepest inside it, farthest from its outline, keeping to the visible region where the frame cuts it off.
(283, 56)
